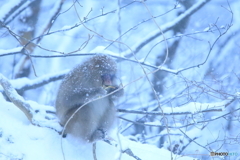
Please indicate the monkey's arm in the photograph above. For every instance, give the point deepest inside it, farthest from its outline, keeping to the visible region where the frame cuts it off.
(84, 95)
(77, 97)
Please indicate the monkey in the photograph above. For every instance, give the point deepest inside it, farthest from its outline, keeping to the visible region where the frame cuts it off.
(95, 78)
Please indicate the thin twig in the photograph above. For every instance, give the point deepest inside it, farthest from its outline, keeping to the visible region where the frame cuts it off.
(94, 146)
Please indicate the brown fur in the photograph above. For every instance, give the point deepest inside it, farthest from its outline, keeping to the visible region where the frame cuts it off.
(82, 84)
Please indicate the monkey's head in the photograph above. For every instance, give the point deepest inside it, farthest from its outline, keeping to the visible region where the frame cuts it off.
(104, 70)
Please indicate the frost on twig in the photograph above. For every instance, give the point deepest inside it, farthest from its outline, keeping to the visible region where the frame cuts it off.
(39, 115)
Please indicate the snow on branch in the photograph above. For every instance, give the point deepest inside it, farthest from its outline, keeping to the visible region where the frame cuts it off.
(9, 8)
(26, 84)
(7, 52)
(190, 108)
(39, 115)
(158, 124)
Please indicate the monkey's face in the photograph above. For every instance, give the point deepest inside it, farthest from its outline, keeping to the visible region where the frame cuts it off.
(107, 79)
(103, 70)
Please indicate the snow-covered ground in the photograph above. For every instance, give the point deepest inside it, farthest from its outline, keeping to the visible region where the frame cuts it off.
(20, 140)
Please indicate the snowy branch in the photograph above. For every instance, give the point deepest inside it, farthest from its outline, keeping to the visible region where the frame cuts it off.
(12, 7)
(183, 126)
(8, 52)
(221, 104)
(40, 115)
(165, 114)
(196, 108)
(26, 84)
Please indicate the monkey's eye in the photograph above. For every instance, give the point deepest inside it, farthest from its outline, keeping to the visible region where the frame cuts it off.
(110, 76)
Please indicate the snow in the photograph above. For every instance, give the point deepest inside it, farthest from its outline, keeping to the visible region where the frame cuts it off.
(101, 49)
(28, 142)
(40, 117)
(195, 107)
(178, 6)
(5, 8)
(153, 123)
(206, 29)
(6, 51)
(169, 70)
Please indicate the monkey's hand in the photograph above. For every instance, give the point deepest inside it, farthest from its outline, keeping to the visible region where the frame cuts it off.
(111, 89)
(99, 134)
(107, 87)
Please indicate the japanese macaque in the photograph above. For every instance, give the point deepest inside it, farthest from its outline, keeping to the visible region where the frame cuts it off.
(93, 79)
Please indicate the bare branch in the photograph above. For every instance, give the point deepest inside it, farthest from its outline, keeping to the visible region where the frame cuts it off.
(168, 26)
